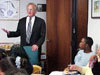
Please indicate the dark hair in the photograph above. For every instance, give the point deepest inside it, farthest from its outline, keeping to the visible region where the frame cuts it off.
(3, 53)
(7, 63)
(25, 64)
(15, 71)
(17, 50)
(89, 41)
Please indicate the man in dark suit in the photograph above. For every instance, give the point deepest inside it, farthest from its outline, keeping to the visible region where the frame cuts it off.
(32, 29)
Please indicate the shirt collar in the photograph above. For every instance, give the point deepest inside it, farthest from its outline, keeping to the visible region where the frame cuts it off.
(31, 17)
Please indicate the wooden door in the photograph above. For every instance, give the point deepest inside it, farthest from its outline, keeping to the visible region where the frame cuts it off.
(59, 29)
(82, 19)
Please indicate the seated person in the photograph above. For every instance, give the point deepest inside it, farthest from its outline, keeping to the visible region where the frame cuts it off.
(8, 65)
(93, 68)
(17, 51)
(83, 55)
(85, 52)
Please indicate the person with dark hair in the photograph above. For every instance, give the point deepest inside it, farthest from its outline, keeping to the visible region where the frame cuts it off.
(83, 55)
(85, 52)
(17, 51)
(93, 68)
(23, 63)
(8, 65)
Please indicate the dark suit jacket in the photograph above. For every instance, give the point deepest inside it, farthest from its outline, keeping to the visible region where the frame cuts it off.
(38, 32)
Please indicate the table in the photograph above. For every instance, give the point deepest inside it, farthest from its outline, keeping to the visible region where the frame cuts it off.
(37, 74)
(60, 73)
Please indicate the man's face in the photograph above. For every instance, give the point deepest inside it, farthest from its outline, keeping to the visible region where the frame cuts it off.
(82, 44)
(31, 10)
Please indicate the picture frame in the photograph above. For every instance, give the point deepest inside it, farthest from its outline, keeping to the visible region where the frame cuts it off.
(95, 8)
(9, 10)
(41, 7)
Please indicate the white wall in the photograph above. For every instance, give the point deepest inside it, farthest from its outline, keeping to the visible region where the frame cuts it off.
(93, 28)
(12, 25)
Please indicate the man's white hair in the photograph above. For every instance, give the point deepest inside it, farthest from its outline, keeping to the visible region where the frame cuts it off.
(33, 5)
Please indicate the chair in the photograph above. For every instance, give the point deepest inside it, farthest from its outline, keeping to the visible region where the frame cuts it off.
(37, 69)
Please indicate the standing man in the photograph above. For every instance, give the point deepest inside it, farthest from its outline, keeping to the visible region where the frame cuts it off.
(32, 29)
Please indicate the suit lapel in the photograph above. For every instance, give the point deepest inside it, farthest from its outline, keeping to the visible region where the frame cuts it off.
(24, 27)
(34, 26)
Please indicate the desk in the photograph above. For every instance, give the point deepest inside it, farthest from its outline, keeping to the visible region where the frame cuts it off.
(6, 46)
(60, 73)
(37, 74)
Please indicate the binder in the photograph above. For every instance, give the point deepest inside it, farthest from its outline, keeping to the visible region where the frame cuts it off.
(33, 55)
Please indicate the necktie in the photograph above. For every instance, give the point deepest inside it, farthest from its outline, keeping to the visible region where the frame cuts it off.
(28, 33)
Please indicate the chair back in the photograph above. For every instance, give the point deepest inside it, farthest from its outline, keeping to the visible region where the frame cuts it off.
(37, 69)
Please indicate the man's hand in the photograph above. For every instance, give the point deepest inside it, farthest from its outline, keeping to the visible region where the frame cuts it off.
(6, 31)
(34, 47)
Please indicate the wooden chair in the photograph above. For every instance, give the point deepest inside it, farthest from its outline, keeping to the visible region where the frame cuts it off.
(37, 69)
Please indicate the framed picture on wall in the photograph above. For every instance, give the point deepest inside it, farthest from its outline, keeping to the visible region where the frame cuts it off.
(41, 7)
(95, 8)
(9, 9)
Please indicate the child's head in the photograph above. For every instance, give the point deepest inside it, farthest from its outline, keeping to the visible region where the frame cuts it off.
(86, 42)
(9, 63)
(21, 62)
(6, 63)
(18, 50)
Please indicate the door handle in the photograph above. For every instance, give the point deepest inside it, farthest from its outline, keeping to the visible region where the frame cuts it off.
(48, 40)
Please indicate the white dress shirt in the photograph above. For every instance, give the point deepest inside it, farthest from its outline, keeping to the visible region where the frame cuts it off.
(32, 21)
